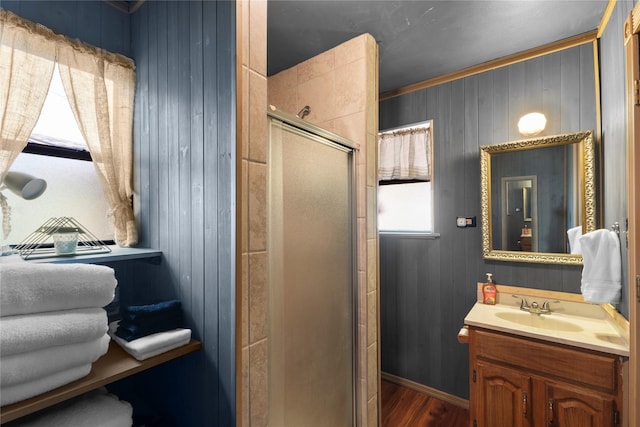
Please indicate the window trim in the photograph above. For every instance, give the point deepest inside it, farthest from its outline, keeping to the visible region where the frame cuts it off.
(402, 181)
(415, 234)
(427, 235)
(55, 151)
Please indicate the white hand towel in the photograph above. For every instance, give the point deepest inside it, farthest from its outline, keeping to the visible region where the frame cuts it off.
(33, 288)
(574, 239)
(30, 332)
(24, 367)
(17, 392)
(154, 344)
(601, 267)
(93, 409)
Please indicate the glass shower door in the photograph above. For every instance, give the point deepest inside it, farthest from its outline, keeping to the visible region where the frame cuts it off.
(311, 280)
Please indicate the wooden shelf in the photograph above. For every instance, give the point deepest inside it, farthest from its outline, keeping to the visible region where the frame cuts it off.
(117, 254)
(115, 365)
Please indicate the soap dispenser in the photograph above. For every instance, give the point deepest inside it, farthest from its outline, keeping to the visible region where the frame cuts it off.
(489, 291)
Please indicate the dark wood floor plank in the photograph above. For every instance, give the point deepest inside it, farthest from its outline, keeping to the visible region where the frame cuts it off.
(405, 407)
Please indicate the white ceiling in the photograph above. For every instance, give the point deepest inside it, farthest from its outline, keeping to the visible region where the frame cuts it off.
(423, 39)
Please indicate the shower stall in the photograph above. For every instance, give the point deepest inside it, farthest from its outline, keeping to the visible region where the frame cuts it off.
(312, 275)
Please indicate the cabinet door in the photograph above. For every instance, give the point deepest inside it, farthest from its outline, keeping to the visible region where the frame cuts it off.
(569, 406)
(503, 397)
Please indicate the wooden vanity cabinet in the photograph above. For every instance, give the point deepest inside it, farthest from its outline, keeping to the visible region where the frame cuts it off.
(523, 382)
(505, 396)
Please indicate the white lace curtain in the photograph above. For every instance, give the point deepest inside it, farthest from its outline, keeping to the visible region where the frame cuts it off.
(100, 88)
(405, 154)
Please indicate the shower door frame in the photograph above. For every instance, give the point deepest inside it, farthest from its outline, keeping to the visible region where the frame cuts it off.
(326, 137)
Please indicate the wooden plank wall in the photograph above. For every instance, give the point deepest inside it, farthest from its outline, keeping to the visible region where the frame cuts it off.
(184, 132)
(428, 285)
(96, 23)
(184, 147)
(614, 132)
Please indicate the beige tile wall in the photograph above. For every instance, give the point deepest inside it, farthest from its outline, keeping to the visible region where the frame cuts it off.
(340, 86)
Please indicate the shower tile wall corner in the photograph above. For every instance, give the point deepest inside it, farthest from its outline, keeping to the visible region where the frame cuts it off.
(341, 88)
(352, 113)
(251, 339)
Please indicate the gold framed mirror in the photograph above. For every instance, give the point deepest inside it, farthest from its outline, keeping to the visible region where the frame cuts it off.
(535, 193)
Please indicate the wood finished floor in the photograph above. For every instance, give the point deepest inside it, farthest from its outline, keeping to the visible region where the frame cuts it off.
(404, 407)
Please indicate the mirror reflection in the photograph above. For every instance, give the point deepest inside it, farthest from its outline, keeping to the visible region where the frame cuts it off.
(517, 217)
(533, 192)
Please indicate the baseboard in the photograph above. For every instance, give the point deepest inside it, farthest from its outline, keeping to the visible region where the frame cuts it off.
(446, 397)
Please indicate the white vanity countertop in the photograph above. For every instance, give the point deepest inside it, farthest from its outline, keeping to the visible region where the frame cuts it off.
(577, 324)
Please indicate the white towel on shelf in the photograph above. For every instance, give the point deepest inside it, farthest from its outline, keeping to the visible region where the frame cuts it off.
(601, 267)
(30, 332)
(574, 235)
(94, 409)
(24, 367)
(154, 344)
(33, 288)
(17, 392)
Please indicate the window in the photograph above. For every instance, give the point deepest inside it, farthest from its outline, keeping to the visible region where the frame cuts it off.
(100, 87)
(58, 154)
(73, 190)
(56, 133)
(405, 207)
(405, 192)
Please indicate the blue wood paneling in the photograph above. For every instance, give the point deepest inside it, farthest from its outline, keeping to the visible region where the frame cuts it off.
(185, 157)
(614, 131)
(418, 334)
(184, 149)
(93, 22)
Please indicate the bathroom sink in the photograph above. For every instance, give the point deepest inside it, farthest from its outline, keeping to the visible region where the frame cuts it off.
(543, 321)
(573, 323)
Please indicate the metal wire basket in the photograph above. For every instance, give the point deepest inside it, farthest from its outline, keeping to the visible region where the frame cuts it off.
(41, 243)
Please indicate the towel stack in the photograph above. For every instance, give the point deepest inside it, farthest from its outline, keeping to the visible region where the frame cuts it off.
(97, 408)
(52, 325)
(147, 330)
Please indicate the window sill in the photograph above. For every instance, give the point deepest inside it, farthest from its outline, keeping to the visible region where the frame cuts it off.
(409, 235)
(117, 253)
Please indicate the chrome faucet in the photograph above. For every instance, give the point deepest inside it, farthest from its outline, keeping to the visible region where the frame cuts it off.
(534, 308)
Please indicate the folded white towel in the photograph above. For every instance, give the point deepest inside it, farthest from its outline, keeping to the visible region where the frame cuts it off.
(34, 288)
(601, 267)
(154, 344)
(574, 239)
(94, 409)
(17, 392)
(24, 367)
(30, 332)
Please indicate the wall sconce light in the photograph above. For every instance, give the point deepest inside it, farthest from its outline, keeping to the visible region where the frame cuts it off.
(532, 124)
(24, 185)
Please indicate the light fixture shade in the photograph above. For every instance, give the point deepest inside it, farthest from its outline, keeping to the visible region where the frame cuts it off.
(24, 185)
(532, 124)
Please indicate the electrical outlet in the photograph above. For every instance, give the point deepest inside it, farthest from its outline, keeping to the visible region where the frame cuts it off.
(463, 222)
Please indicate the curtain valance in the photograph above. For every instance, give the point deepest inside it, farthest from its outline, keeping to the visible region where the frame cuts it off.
(12, 21)
(405, 154)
